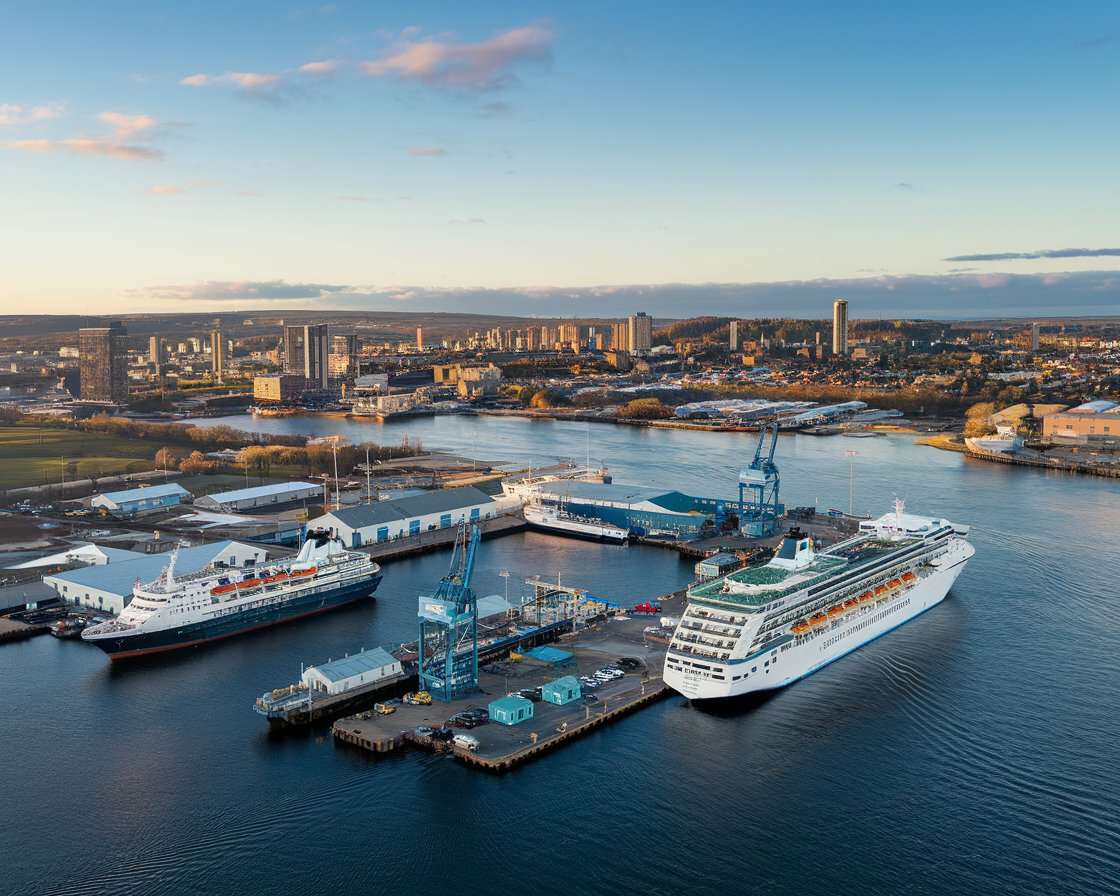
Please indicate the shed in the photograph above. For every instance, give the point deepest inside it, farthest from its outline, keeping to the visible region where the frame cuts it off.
(552, 656)
(140, 500)
(563, 690)
(717, 565)
(511, 710)
(363, 668)
(261, 496)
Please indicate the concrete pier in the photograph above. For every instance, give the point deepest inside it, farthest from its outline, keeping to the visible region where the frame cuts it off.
(503, 747)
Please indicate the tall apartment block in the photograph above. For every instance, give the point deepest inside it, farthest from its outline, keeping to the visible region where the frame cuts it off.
(840, 327)
(103, 363)
(641, 333)
(307, 353)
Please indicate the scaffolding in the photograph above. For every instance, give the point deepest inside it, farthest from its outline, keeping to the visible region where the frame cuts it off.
(448, 644)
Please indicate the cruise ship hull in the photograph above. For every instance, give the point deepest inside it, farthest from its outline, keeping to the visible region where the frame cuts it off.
(770, 669)
(127, 645)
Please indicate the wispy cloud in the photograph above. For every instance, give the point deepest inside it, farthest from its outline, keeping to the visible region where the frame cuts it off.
(426, 151)
(271, 87)
(164, 190)
(486, 65)
(1041, 253)
(242, 290)
(323, 67)
(252, 194)
(467, 221)
(128, 140)
(12, 115)
(352, 198)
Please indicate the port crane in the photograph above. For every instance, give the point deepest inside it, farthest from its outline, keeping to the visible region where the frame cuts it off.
(759, 484)
(448, 644)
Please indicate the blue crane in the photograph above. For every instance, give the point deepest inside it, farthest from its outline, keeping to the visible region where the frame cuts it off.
(448, 644)
(759, 484)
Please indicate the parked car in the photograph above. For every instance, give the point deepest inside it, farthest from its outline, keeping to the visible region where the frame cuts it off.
(383, 709)
(465, 742)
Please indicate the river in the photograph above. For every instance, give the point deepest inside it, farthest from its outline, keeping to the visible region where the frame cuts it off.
(972, 750)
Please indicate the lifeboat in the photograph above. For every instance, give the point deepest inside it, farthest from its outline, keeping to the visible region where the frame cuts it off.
(851, 602)
(835, 611)
(251, 583)
(818, 619)
(908, 577)
(303, 572)
(800, 627)
(268, 580)
(894, 583)
(880, 589)
(866, 596)
(222, 589)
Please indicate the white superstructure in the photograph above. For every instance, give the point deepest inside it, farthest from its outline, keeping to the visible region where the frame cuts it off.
(766, 626)
(557, 519)
(529, 488)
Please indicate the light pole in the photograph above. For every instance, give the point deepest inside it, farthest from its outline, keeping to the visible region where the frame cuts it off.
(504, 573)
(851, 455)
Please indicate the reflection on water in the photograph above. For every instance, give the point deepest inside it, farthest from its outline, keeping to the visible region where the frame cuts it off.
(969, 750)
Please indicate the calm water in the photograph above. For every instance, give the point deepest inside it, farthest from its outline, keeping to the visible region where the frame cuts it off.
(972, 750)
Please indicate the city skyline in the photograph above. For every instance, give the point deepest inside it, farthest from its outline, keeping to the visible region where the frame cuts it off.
(571, 161)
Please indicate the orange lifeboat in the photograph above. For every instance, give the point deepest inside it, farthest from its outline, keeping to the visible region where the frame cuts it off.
(835, 611)
(304, 572)
(222, 589)
(851, 602)
(800, 627)
(818, 619)
(908, 577)
(251, 583)
(880, 589)
(866, 596)
(894, 583)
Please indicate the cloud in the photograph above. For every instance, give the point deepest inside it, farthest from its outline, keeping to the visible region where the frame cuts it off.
(242, 290)
(426, 151)
(467, 221)
(325, 67)
(1041, 253)
(486, 65)
(357, 198)
(164, 190)
(120, 143)
(250, 193)
(12, 115)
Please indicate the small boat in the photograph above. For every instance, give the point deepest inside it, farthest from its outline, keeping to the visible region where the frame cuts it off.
(249, 583)
(866, 596)
(836, 610)
(303, 572)
(222, 589)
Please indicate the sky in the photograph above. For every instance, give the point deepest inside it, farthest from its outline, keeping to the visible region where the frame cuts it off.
(934, 160)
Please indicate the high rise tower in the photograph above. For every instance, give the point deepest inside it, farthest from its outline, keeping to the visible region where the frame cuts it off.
(840, 328)
(307, 353)
(103, 364)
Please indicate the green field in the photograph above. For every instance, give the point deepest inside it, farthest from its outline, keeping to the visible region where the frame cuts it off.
(31, 455)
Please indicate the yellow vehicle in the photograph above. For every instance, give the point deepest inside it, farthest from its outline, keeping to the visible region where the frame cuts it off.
(383, 709)
(419, 698)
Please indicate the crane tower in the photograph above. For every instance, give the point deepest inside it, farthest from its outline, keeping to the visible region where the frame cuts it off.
(759, 503)
(448, 645)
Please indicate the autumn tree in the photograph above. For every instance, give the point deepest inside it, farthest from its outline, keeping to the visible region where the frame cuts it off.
(166, 459)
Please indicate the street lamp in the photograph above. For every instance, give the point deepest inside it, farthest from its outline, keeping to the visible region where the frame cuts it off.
(851, 455)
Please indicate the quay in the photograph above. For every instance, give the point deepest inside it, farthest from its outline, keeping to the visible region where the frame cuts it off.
(14, 630)
(502, 747)
(1064, 465)
(424, 542)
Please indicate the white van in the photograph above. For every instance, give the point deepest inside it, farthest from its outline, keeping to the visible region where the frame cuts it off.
(465, 742)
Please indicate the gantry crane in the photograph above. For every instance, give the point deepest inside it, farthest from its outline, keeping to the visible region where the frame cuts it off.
(759, 504)
(448, 646)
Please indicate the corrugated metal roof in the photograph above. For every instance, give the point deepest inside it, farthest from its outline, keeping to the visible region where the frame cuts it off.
(261, 491)
(359, 663)
(1099, 406)
(441, 501)
(144, 494)
(492, 605)
(118, 578)
(565, 682)
(602, 491)
(510, 704)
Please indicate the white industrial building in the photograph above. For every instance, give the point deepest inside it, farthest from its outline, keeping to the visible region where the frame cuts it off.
(108, 588)
(261, 496)
(363, 668)
(385, 520)
(140, 500)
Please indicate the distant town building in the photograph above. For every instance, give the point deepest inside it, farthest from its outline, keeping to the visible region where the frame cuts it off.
(103, 363)
(217, 355)
(733, 337)
(618, 359)
(840, 327)
(1093, 422)
(155, 351)
(344, 355)
(641, 333)
(419, 339)
(620, 336)
(279, 388)
(1034, 336)
(261, 496)
(306, 352)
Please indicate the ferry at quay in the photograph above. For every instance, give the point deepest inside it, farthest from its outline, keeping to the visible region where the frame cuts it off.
(182, 611)
(763, 627)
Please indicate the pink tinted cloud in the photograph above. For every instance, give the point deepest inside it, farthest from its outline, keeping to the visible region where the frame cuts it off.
(12, 115)
(482, 66)
(426, 151)
(86, 146)
(324, 67)
(251, 81)
(164, 190)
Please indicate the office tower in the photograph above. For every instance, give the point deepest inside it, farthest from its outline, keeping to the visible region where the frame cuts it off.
(733, 338)
(419, 339)
(840, 327)
(1034, 336)
(217, 355)
(306, 352)
(641, 333)
(103, 363)
(344, 355)
(620, 336)
(155, 351)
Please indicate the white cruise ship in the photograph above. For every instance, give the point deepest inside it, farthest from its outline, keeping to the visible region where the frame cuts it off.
(766, 626)
(182, 611)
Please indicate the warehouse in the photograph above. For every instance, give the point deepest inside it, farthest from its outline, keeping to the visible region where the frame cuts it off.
(108, 588)
(261, 496)
(1095, 422)
(349, 672)
(140, 500)
(385, 520)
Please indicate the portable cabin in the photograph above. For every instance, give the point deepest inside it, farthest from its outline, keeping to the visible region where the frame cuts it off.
(511, 710)
(561, 691)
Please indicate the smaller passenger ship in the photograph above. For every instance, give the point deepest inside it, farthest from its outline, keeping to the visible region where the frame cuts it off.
(182, 611)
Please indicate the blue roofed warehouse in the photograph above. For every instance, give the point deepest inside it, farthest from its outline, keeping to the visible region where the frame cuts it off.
(140, 500)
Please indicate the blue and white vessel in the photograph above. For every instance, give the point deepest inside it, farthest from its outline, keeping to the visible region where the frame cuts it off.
(183, 611)
(766, 626)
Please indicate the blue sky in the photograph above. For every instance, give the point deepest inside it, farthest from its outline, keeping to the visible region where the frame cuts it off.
(568, 158)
